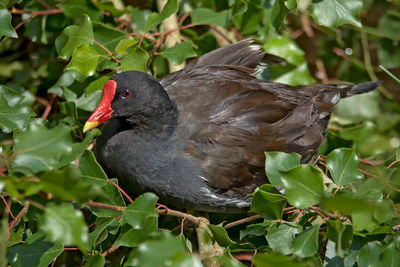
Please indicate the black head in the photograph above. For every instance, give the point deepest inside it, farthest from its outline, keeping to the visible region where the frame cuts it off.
(135, 98)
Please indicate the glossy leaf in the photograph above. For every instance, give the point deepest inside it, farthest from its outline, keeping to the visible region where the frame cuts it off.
(38, 250)
(77, 8)
(268, 202)
(220, 235)
(202, 16)
(97, 260)
(369, 254)
(77, 36)
(13, 117)
(280, 237)
(101, 226)
(136, 59)
(296, 72)
(50, 146)
(343, 165)
(65, 224)
(341, 234)
(304, 185)
(154, 19)
(273, 260)
(131, 237)
(179, 53)
(140, 210)
(5, 23)
(306, 244)
(279, 161)
(91, 171)
(84, 60)
(333, 13)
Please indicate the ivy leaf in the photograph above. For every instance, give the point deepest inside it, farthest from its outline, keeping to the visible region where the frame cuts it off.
(5, 23)
(333, 13)
(294, 73)
(136, 59)
(306, 244)
(97, 260)
(13, 117)
(389, 25)
(12, 97)
(390, 256)
(343, 165)
(92, 173)
(112, 196)
(280, 237)
(279, 161)
(124, 44)
(140, 210)
(304, 185)
(76, 36)
(66, 184)
(97, 85)
(84, 60)
(341, 234)
(154, 19)
(101, 226)
(369, 254)
(221, 235)
(268, 202)
(131, 237)
(37, 251)
(65, 224)
(40, 149)
(76, 8)
(204, 16)
(179, 53)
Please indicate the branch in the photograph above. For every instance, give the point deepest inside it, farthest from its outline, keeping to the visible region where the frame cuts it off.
(35, 13)
(241, 221)
(16, 220)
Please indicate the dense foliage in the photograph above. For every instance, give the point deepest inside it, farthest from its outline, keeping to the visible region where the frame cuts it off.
(58, 206)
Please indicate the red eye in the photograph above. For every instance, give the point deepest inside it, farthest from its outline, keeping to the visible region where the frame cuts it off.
(126, 93)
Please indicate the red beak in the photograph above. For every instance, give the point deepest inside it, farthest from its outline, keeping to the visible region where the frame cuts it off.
(103, 111)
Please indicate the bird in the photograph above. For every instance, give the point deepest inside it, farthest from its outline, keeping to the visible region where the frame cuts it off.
(197, 137)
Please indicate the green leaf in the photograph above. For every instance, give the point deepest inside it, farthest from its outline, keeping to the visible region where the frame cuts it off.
(343, 166)
(179, 53)
(221, 235)
(279, 161)
(136, 59)
(97, 260)
(101, 226)
(84, 60)
(85, 103)
(40, 149)
(359, 108)
(390, 256)
(6, 28)
(112, 196)
(92, 173)
(273, 260)
(66, 184)
(37, 251)
(77, 36)
(341, 234)
(97, 85)
(140, 210)
(389, 25)
(268, 202)
(333, 13)
(369, 254)
(13, 98)
(154, 19)
(294, 73)
(306, 244)
(304, 185)
(13, 117)
(108, 37)
(205, 16)
(169, 250)
(257, 229)
(65, 224)
(130, 237)
(280, 237)
(76, 8)
(139, 18)
(124, 44)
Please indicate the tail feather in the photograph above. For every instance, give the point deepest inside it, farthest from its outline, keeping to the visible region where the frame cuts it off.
(363, 88)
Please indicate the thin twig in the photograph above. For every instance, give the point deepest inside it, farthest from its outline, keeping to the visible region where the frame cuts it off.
(35, 13)
(107, 51)
(8, 207)
(16, 220)
(241, 221)
(110, 250)
(121, 190)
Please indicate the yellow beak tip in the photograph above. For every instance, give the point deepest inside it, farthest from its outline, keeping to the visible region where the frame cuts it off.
(90, 125)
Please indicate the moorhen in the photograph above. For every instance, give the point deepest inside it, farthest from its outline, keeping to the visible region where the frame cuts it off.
(197, 137)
